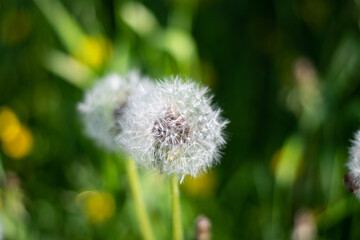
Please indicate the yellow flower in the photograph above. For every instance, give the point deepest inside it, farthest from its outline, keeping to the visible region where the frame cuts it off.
(19, 146)
(99, 207)
(9, 125)
(94, 51)
(17, 140)
(201, 187)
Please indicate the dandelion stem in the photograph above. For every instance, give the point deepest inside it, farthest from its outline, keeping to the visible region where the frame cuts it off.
(140, 209)
(175, 207)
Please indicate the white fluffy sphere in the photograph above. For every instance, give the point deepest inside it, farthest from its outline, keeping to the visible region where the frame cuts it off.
(103, 104)
(173, 128)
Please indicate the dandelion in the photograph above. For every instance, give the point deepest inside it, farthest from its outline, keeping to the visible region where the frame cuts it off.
(94, 51)
(21, 145)
(99, 207)
(9, 124)
(17, 140)
(101, 112)
(173, 128)
(104, 103)
(352, 178)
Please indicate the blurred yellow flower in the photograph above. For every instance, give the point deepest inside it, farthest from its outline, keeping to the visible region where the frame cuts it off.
(20, 145)
(99, 207)
(94, 52)
(201, 187)
(9, 125)
(17, 140)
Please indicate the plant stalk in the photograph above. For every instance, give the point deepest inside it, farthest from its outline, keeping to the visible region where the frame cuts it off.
(177, 232)
(142, 215)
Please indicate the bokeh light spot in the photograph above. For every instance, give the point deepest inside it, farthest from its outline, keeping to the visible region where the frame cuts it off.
(99, 207)
(20, 146)
(9, 125)
(94, 52)
(200, 187)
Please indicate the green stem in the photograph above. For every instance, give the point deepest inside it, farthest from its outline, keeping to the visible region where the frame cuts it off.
(175, 207)
(140, 209)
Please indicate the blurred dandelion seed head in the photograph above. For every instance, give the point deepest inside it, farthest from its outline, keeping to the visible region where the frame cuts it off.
(104, 102)
(351, 183)
(173, 128)
(352, 178)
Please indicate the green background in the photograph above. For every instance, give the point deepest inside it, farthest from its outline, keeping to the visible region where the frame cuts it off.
(286, 74)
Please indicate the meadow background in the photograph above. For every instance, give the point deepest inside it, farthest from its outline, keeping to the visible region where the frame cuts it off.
(286, 74)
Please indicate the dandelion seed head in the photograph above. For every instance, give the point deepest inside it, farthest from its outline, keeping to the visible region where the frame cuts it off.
(104, 103)
(352, 178)
(173, 128)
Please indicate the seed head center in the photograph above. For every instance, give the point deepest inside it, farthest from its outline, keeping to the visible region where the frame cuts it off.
(350, 183)
(171, 130)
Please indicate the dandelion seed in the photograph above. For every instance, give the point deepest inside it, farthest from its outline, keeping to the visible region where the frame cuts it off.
(173, 128)
(104, 103)
(352, 178)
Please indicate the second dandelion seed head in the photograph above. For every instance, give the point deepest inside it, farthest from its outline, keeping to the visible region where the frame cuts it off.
(352, 178)
(104, 104)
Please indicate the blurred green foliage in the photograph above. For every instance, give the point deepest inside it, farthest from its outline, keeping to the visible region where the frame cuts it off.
(286, 73)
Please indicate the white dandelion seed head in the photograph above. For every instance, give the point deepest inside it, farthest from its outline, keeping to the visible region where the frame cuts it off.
(103, 105)
(173, 128)
(352, 178)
